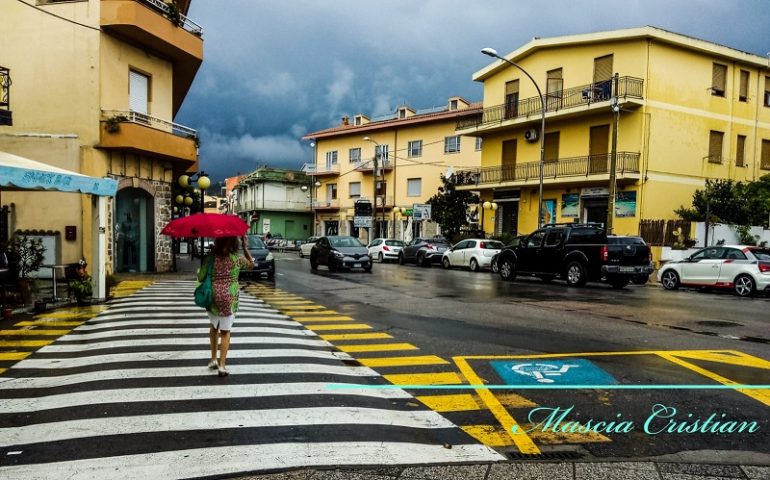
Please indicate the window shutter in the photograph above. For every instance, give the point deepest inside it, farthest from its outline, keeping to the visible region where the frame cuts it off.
(740, 151)
(511, 87)
(743, 94)
(718, 79)
(602, 68)
(551, 147)
(715, 147)
(138, 92)
(765, 162)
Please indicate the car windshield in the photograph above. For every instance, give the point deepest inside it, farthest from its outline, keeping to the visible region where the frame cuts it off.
(344, 242)
(436, 240)
(626, 240)
(394, 243)
(255, 242)
(312, 239)
(761, 254)
(491, 245)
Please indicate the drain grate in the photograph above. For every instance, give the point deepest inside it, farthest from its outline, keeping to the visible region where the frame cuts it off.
(718, 323)
(546, 456)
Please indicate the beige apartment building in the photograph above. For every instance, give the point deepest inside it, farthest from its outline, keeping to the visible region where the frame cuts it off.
(95, 87)
(413, 149)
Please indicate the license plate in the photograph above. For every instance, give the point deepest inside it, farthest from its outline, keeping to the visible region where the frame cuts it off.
(356, 265)
(627, 269)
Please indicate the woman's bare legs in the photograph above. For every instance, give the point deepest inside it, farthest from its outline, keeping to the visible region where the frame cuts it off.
(213, 340)
(224, 346)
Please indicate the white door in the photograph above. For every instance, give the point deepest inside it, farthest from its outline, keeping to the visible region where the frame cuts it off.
(703, 267)
(138, 92)
(468, 252)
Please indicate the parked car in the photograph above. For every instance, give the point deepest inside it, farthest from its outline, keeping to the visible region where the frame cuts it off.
(385, 249)
(577, 253)
(338, 253)
(263, 259)
(494, 266)
(423, 251)
(304, 249)
(640, 279)
(744, 269)
(273, 240)
(472, 253)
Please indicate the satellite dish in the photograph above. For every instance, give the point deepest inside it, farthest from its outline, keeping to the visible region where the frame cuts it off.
(449, 172)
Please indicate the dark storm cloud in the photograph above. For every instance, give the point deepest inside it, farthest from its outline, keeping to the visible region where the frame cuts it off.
(274, 71)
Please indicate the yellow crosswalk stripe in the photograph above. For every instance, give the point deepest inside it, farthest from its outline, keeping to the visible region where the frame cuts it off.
(294, 313)
(355, 336)
(349, 326)
(513, 400)
(14, 333)
(462, 402)
(332, 318)
(25, 343)
(442, 378)
(378, 347)
(402, 361)
(2, 370)
(489, 435)
(47, 323)
(287, 304)
(68, 314)
(303, 308)
(14, 355)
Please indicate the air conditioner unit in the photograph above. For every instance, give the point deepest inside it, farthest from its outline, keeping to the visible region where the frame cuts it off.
(530, 135)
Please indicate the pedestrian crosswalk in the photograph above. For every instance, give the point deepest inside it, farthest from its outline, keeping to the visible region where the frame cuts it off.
(128, 394)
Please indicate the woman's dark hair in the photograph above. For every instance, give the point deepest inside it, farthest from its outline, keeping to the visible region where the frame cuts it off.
(224, 246)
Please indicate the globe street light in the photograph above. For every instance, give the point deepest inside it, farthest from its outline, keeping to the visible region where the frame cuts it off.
(486, 206)
(493, 53)
(203, 182)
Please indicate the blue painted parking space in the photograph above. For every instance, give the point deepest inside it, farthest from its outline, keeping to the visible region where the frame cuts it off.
(570, 371)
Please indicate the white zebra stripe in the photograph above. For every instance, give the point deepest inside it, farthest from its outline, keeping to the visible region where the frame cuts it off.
(143, 308)
(231, 459)
(166, 332)
(169, 394)
(198, 321)
(112, 317)
(192, 342)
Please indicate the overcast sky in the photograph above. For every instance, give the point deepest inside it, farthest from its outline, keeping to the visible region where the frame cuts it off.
(276, 70)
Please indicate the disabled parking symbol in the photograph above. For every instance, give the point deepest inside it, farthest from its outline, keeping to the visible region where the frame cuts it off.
(552, 372)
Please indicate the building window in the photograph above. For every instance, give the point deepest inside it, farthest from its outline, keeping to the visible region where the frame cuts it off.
(413, 187)
(355, 155)
(743, 94)
(453, 105)
(401, 113)
(479, 141)
(767, 91)
(380, 189)
(415, 148)
(554, 89)
(551, 141)
(138, 92)
(357, 121)
(715, 146)
(740, 149)
(452, 144)
(355, 189)
(382, 152)
(331, 159)
(718, 79)
(765, 160)
(331, 191)
(511, 98)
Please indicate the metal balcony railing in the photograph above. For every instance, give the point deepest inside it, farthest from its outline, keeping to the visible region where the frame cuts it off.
(383, 201)
(182, 20)
(326, 169)
(627, 162)
(368, 165)
(628, 87)
(130, 116)
(326, 203)
(5, 96)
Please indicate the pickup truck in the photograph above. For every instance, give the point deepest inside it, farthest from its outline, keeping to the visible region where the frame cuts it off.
(577, 253)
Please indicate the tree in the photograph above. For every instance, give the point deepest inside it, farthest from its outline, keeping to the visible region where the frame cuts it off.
(734, 203)
(449, 206)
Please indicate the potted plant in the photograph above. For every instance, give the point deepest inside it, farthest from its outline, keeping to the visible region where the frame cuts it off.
(81, 286)
(27, 254)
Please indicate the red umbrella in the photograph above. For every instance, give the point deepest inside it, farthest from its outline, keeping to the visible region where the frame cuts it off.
(206, 225)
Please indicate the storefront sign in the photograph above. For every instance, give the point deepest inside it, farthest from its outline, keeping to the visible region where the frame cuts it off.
(266, 226)
(594, 192)
(570, 205)
(421, 211)
(625, 204)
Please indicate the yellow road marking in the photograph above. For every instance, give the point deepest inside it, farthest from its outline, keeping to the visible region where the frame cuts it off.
(402, 361)
(333, 318)
(349, 326)
(762, 396)
(463, 402)
(731, 358)
(47, 323)
(556, 438)
(355, 336)
(522, 441)
(443, 378)
(293, 313)
(25, 343)
(489, 435)
(495, 436)
(68, 314)
(512, 400)
(285, 303)
(303, 308)
(2, 370)
(15, 333)
(14, 355)
(379, 347)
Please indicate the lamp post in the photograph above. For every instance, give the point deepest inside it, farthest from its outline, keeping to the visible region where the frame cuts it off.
(396, 213)
(493, 53)
(203, 182)
(313, 187)
(486, 206)
(374, 185)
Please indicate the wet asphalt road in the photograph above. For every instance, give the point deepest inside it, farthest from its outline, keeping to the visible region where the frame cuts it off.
(460, 313)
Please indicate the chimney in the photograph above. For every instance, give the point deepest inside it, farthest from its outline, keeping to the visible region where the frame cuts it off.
(345, 120)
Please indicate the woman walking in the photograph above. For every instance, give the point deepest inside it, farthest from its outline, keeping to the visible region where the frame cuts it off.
(225, 264)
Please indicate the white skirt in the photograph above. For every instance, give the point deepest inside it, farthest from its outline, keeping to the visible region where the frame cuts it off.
(221, 323)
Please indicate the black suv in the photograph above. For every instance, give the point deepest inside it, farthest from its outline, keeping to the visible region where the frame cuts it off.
(577, 253)
(423, 251)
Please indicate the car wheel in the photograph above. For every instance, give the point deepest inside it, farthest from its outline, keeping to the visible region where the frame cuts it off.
(313, 264)
(445, 263)
(507, 269)
(495, 267)
(421, 260)
(575, 274)
(368, 269)
(640, 279)
(401, 259)
(743, 285)
(474, 265)
(300, 254)
(618, 283)
(380, 258)
(670, 280)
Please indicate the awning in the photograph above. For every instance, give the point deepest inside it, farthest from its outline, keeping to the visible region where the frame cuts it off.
(24, 174)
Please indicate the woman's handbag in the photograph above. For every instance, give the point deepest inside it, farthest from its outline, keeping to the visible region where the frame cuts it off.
(204, 293)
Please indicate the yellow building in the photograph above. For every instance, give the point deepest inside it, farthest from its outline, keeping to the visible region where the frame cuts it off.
(687, 110)
(95, 87)
(415, 149)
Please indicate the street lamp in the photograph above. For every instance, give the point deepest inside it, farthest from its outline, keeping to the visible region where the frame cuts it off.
(203, 182)
(396, 213)
(493, 53)
(305, 188)
(486, 206)
(374, 185)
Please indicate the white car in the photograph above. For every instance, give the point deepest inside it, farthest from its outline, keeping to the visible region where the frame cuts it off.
(475, 253)
(384, 249)
(743, 269)
(304, 249)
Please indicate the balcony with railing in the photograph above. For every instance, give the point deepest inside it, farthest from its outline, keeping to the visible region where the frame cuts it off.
(629, 89)
(162, 28)
(328, 204)
(383, 201)
(5, 97)
(368, 166)
(572, 169)
(139, 133)
(325, 170)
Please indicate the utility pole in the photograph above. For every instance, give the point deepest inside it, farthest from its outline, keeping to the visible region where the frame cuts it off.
(372, 235)
(613, 154)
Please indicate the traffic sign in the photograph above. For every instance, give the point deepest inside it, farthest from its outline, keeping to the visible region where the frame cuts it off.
(362, 221)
